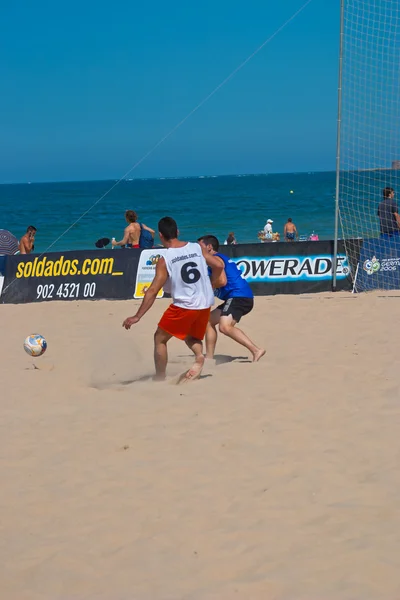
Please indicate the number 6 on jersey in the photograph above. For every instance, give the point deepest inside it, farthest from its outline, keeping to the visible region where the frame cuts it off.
(189, 272)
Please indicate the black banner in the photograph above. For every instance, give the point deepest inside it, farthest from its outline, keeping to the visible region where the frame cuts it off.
(291, 267)
(271, 268)
(80, 275)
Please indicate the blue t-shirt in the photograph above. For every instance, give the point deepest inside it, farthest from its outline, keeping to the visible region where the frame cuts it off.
(236, 285)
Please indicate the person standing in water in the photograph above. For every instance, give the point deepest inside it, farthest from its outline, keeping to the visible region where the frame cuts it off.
(290, 231)
(238, 301)
(184, 270)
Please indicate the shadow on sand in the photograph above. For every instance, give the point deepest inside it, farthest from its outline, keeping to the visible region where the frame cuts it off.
(222, 359)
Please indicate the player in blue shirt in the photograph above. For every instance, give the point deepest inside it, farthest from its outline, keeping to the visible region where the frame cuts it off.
(238, 300)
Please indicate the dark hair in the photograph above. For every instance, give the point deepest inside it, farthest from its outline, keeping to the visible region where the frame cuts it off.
(131, 216)
(168, 228)
(289, 220)
(210, 239)
(387, 191)
(31, 228)
(231, 238)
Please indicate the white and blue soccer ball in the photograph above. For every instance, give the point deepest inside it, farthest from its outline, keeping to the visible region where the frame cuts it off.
(35, 345)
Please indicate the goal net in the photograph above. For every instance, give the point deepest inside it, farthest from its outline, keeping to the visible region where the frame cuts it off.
(370, 140)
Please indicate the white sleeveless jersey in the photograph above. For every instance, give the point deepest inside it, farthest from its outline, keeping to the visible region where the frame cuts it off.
(189, 282)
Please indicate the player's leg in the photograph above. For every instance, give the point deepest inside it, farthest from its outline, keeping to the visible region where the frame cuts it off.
(211, 332)
(161, 353)
(195, 335)
(233, 311)
(196, 346)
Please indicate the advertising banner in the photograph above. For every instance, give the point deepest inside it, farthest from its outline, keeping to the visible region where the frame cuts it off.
(379, 265)
(146, 270)
(291, 268)
(71, 275)
(275, 268)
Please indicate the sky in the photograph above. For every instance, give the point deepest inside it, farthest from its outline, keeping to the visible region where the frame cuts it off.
(89, 87)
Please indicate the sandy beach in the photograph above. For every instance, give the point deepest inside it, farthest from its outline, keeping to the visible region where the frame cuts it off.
(278, 480)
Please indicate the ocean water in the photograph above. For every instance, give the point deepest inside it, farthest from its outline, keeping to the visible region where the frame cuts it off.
(214, 205)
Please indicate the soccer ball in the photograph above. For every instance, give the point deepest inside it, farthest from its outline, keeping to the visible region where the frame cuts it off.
(35, 345)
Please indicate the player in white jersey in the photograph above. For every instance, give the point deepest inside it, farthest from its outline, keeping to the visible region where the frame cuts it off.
(183, 270)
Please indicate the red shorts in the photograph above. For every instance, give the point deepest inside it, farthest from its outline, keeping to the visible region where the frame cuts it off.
(181, 322)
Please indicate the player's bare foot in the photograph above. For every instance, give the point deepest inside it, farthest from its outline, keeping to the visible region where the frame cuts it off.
(194, 371)
(259, 354)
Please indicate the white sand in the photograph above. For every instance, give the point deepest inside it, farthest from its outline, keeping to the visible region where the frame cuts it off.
(277, 480)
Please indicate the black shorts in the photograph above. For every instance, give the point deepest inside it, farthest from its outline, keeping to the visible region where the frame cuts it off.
(237, 307)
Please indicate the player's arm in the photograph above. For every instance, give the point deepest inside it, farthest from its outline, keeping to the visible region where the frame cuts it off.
(159, 281)
(216, 264)
(124, 239)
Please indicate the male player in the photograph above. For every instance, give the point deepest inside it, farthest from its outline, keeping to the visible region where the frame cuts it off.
(238, 301)
(184, 269)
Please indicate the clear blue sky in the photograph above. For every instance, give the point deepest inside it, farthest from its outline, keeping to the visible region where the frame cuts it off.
(88, 87)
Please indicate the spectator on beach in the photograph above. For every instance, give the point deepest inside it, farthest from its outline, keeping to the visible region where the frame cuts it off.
(388, 213)
(26, 244)
(132, 231)
(290, 231)
(230, 240)
(268, 229)
(267, 234)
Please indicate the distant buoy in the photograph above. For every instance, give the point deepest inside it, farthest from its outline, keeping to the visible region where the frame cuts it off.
(291, 191)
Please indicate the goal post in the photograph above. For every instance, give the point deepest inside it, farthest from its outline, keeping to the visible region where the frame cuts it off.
(368, 141)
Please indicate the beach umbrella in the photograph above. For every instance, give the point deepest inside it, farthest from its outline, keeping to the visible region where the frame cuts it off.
(8, 242)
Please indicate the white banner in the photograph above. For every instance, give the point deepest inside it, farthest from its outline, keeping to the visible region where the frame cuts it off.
(147, 270)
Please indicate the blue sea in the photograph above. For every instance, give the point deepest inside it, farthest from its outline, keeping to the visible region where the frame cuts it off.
(200, 205)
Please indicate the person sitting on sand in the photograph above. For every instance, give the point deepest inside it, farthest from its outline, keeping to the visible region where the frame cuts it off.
(26, 244)
(290, 231)
(238, 300)
(184, 269)
(132, 232)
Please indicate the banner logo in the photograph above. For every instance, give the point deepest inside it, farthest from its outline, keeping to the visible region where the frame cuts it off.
(375, 265)
(153, 260)
(372, 266)
(48, 267)
(291, 268)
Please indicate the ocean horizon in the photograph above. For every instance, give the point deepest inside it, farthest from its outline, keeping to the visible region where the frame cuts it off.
(200, 204)
(169, 177)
